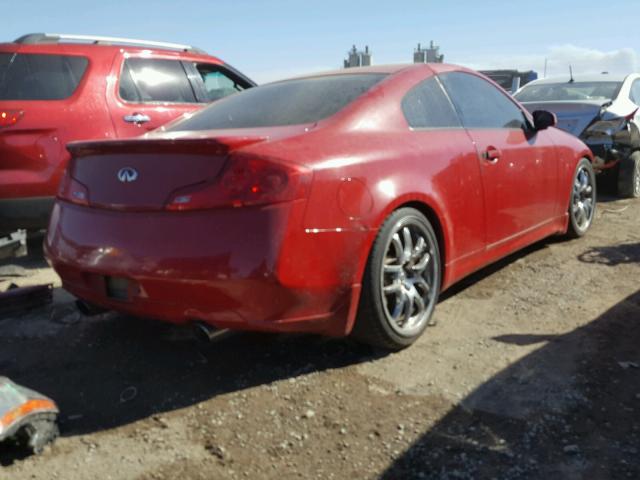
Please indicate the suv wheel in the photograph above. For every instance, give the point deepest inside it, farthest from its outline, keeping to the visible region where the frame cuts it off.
(401, 282)
(629, 176)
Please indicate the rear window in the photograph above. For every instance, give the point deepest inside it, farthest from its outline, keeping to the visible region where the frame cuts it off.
(291, 102)
(568, 91)
(39, 77)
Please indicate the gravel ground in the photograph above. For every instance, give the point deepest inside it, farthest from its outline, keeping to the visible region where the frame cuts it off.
(531, 372)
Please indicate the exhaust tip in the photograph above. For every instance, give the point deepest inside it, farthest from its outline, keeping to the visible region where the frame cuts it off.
(207, 334)
(88, 309)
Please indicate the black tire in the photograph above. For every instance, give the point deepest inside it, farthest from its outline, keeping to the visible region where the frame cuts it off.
(374, 323)
(580, 197)
(38, 433)
(629, 176)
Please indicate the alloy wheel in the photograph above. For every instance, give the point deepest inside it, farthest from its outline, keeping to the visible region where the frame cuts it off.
(583, 201)
(408, 280)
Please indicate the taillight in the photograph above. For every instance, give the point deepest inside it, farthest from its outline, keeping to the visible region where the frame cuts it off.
(244, 182)
(9, 117)
(72, 190)
(29, 407)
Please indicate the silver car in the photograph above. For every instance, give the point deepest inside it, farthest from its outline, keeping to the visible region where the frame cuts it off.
(603, 111)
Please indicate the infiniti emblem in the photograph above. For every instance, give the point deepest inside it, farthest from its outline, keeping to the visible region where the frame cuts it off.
(127, 175)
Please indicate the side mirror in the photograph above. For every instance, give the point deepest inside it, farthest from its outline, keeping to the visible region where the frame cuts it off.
(543, 119)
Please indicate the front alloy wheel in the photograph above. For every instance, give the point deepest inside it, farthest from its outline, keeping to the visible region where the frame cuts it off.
(583, 199)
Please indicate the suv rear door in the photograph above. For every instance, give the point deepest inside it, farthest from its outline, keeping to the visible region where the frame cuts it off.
(153, 90)
(150, 92)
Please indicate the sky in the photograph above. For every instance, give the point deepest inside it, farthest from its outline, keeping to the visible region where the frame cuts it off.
(269, 40)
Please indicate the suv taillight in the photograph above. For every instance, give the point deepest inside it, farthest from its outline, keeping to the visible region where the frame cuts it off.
(72, 190)
(245, 182)
(9, 118)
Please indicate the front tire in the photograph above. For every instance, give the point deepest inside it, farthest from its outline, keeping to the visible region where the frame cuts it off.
(582, 207)
(401, 282)
(629, 176)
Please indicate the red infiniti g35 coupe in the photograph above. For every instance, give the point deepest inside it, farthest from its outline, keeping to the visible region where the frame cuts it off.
(336, 203)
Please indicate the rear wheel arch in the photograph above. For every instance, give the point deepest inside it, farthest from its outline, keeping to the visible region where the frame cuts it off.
(435, 218)
(371, 322)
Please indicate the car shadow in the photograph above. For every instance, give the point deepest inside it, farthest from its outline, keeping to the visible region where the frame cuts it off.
(489, 270)
(111, 370)
(612, 255)
(569, 410)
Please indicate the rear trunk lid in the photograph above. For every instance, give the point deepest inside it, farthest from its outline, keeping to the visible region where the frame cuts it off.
(141, 174)
(573, 117)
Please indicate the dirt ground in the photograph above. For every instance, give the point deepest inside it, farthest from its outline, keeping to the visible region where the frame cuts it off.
(531, 372)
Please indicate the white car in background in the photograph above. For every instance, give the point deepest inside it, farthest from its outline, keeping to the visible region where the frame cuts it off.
(604, 112)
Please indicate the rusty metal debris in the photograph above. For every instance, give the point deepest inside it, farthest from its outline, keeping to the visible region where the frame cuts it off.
(19, 299)
(27, 418)
(13, 244)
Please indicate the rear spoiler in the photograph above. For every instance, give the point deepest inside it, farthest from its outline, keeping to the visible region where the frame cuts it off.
(211, 146)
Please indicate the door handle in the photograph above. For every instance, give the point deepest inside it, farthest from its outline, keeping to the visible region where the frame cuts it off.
(491, 154)
(137, 118)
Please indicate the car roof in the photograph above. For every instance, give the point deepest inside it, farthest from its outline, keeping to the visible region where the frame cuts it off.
(79, 44)
(597, 77)
(355, 70)
(389, 69)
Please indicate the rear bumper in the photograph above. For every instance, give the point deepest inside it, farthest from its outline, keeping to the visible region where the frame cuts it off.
(25, 213)
(243, 268)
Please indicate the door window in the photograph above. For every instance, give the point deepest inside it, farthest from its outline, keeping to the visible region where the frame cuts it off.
(147, 80)
(217, 83)
(427, 106)
(39, 77)
(635, 92)
(480, 104)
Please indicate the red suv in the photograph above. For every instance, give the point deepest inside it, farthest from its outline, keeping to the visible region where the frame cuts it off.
(55, 89)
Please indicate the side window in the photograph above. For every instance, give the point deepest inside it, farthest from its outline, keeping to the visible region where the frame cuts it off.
(128, 90)
(635, 92)
(480, 104)
(146, 80)
(40, 77)
(217, 83)
(426, 106)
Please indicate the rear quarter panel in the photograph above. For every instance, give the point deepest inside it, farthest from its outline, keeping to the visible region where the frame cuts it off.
(361, 179)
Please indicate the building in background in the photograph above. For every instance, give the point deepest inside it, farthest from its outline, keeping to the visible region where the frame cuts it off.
(358, 58)
(428, 55)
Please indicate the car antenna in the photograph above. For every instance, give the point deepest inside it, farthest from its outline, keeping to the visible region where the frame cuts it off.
(571, 79)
